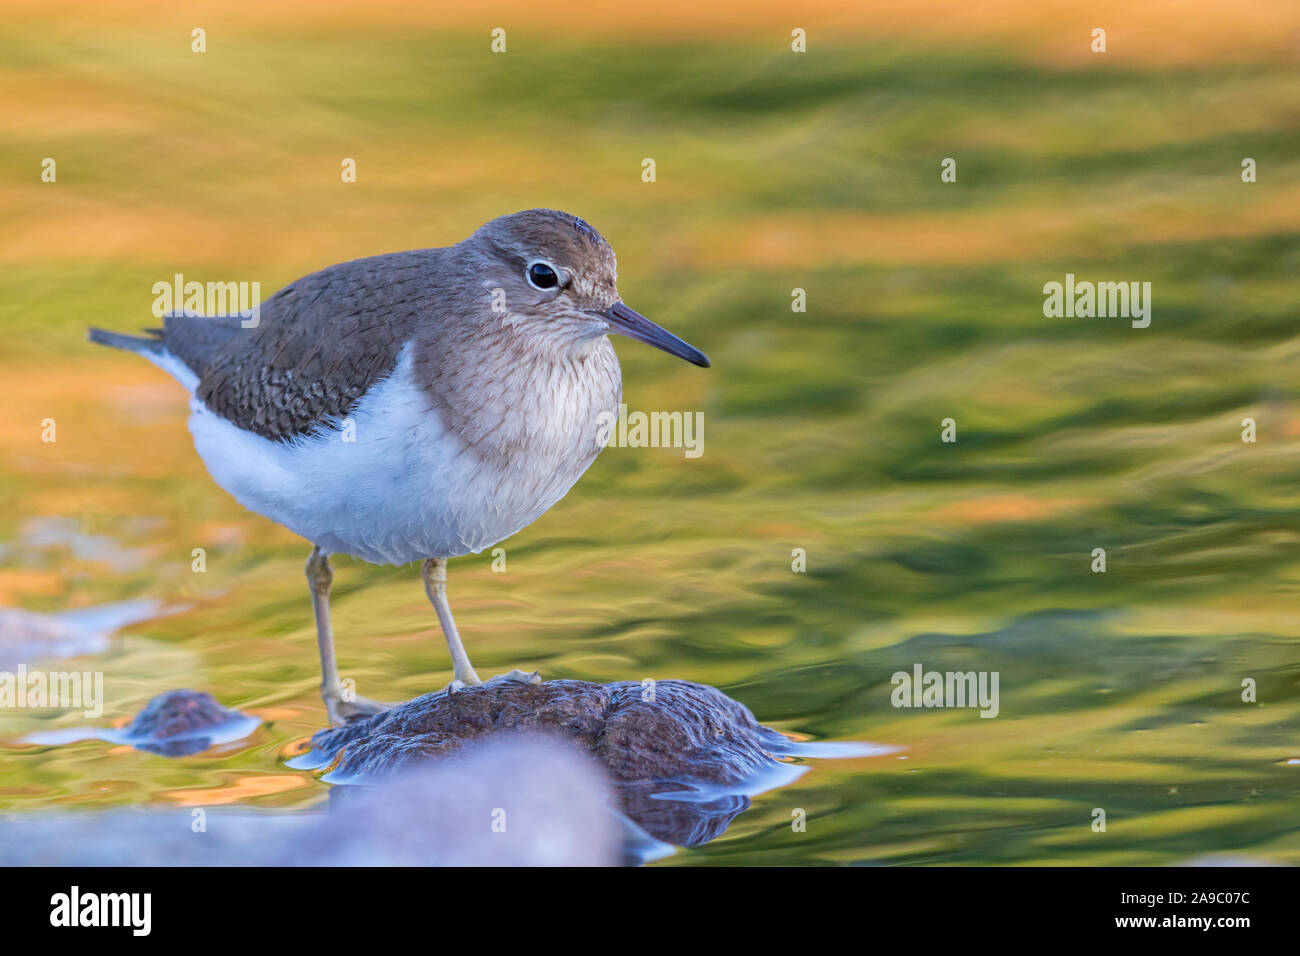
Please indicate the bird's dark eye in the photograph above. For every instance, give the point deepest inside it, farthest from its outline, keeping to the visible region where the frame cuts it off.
(542, 276)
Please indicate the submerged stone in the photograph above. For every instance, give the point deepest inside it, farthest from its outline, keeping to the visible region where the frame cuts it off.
(177, 723)
(182, 722)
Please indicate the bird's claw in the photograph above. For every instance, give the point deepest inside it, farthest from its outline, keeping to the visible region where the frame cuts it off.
(511, 677)
(342, 711)
(517, 677)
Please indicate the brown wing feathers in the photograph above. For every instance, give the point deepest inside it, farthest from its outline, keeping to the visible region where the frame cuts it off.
(319, 345)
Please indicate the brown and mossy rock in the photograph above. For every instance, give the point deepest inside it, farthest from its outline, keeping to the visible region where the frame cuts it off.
(671, 730)
(653, 741)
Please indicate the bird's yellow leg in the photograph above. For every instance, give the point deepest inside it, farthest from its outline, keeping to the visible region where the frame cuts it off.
(319, 578)
(463, 674)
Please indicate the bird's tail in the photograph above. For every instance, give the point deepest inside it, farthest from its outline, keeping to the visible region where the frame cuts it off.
(131, 343)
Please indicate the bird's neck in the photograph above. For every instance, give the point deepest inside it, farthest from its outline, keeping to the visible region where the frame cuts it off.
(508, 399)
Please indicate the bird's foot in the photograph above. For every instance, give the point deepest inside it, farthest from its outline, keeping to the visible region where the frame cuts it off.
(358, 708)
(516, 677)
(511, 677)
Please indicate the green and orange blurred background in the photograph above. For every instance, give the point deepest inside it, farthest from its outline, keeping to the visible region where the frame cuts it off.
(775, 171)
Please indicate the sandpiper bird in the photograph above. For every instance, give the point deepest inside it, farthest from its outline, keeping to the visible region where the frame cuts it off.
(415, 406)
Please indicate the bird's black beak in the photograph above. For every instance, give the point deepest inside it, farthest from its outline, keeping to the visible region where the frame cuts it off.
(634, 325)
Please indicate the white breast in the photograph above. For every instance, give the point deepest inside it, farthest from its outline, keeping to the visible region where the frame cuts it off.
(392, 485)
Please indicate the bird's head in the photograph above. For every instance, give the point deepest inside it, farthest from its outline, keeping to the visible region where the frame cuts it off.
(550, 274)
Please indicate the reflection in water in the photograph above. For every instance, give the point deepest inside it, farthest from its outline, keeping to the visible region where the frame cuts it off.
(686, 813)
(27, 636)
(690, 812)
(48, 534)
